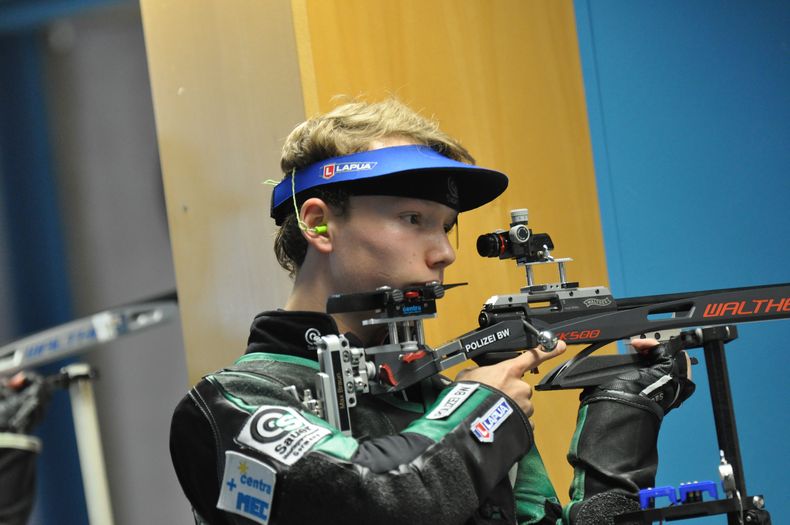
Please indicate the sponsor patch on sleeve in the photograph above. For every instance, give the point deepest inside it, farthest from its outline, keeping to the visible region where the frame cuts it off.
(281, 433)
(483, 428)
(247, 487)
(454, 399)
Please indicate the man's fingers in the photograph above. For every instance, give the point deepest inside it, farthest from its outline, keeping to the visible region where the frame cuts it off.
(533, 357)
(643, 345)
(688, 366)
(17, 382)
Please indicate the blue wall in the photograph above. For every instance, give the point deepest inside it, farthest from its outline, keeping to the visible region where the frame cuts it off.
(40, 295)
(689, 108)
(40, 292)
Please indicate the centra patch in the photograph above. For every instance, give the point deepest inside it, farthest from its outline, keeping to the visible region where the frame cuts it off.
(483, 428)
(455, 398)
(247, 487)
(281, 433)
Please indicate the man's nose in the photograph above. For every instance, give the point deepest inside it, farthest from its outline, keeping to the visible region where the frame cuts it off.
(441, 254)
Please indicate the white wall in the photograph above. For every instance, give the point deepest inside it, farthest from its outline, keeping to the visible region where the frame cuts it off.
(116, 235)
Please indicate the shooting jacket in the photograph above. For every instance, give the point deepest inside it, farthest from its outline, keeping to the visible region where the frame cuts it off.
(438, 455)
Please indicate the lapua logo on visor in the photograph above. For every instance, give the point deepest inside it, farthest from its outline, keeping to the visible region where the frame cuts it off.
(330, 170)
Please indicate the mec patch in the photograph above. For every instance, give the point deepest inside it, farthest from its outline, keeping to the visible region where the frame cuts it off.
(247, 487)
(281, 433)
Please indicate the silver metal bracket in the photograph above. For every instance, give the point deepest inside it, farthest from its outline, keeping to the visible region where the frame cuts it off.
(343, 374)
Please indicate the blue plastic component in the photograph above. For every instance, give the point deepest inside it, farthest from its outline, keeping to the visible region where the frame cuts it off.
(647, 497)
(687, 493)
(692, 492)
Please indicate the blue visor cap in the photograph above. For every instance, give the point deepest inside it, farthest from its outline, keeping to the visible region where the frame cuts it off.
(400, 171)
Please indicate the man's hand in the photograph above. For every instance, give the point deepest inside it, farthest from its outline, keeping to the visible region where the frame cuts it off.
(507, 376)
(662, 377)
(23, 399)
(645, 346)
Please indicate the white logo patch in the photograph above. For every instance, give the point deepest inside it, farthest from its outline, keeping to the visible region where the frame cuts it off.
(312, 335)
(453, 400)
(483, 428)
(282, 433)
(247, 487)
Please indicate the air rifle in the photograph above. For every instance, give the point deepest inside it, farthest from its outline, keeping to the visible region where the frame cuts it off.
(540, 314)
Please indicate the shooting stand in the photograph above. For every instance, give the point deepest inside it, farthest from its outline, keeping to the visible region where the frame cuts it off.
(73, 338)
(740, 508)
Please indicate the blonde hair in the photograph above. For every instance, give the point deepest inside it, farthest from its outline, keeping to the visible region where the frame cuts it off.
(350, 128)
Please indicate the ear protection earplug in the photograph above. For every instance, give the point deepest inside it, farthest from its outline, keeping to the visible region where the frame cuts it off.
(320, 229)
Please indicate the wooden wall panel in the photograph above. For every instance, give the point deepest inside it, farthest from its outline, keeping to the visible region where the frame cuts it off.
(504, 76)
(226, 91)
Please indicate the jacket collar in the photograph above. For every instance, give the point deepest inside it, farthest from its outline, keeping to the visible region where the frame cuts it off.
(289, 332)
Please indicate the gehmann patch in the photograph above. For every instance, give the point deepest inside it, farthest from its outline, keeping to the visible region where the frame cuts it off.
(453, 400)
(247, 487)
(282, 433)
(483, 428)
(330, 170)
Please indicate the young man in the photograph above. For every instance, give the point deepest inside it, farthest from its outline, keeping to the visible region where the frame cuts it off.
(370, 192)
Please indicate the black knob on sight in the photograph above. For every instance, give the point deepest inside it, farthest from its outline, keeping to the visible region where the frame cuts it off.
(492, 244)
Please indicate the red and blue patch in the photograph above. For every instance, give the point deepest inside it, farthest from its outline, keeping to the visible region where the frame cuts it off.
(483, 428)
(330, 170)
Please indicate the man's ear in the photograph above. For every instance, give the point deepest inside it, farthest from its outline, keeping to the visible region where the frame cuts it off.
(314, 215)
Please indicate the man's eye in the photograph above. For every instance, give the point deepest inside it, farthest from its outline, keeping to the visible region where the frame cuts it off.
(412, 218)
